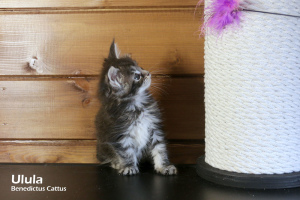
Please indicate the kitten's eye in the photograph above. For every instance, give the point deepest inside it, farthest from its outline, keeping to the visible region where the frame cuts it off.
(137, 77)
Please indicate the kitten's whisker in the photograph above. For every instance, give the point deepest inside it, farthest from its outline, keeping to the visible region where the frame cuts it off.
(161, 82)
(162, 75)
(150, 68)
(156, 70)
(160, 72)
(159, 90)
(153, 67)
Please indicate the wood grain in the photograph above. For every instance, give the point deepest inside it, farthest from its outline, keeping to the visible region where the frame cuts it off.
(165, 42)
(78, 151)
(66, 108)
(92, 3)
(46, 109)
(48, 151)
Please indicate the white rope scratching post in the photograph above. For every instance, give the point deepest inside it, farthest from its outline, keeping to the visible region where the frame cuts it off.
(252, 98)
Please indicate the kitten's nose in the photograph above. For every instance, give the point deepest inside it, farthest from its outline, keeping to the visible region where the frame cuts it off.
(146, 73)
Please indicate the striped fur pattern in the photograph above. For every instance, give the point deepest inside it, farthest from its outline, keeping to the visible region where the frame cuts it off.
(129, 125)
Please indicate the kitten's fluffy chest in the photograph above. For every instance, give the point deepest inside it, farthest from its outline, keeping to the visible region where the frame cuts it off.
(140, 130)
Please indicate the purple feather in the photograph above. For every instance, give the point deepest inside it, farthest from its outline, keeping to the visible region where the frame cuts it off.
(222, 13)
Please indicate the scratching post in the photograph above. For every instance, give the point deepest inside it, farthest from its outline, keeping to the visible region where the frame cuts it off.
(252, 99)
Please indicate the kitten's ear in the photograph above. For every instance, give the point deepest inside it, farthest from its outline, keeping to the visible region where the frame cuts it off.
(114, 77)
(114, 52)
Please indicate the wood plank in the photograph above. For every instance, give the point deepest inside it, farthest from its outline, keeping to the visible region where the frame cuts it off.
(64, 151)
(66, 108)
(185, 153)
(46, 109)
(165, 42)
(92, 3)
(183, 107)
(78, 151)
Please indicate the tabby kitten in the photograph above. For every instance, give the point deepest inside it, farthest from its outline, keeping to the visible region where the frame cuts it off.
(128, 124)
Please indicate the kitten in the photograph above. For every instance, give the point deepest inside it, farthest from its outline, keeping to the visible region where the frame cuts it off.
(129, 125)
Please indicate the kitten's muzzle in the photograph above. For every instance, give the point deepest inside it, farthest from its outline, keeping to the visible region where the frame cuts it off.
(147, 79)
(146, 74)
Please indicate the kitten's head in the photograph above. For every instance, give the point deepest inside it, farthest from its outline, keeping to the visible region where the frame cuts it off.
(122, 77)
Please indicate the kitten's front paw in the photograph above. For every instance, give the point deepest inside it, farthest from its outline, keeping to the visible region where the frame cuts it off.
(129, 170)
(167, 170)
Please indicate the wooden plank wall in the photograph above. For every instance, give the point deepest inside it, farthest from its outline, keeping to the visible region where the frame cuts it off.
(47, 113)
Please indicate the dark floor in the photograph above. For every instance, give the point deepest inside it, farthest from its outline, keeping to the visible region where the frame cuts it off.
(88, 182)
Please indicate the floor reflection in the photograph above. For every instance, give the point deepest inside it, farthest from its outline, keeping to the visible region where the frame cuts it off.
(100, 182)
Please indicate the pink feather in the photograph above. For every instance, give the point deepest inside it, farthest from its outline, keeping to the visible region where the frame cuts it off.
(222, 13)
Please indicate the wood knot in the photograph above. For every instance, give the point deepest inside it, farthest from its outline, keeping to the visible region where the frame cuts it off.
(176, 58)
(81, 83)
(86, 102)
(36, 65)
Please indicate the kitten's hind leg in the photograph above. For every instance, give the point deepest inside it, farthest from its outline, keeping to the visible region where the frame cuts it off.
(105, 153)
(160, 156)
(108, 154)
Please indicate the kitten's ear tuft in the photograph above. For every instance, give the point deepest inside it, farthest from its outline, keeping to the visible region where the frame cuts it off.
(114, 51)
(114, 77)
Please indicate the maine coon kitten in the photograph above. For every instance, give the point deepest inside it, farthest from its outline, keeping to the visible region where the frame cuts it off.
(129, 125)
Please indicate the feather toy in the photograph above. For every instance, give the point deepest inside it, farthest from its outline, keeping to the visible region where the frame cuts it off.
(220, 14)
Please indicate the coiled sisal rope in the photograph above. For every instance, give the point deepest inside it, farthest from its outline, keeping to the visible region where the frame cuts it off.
(252, 92)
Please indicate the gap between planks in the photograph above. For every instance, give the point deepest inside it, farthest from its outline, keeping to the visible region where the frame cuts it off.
(84, 142)
(80, 76)
(61, 10)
